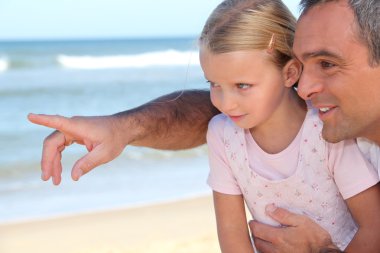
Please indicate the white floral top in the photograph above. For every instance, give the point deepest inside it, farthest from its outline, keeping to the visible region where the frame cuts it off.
(310, 190)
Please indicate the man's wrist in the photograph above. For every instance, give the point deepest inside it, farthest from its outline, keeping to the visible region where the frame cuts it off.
(130, 126)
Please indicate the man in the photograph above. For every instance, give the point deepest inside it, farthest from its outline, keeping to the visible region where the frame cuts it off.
(338, 43)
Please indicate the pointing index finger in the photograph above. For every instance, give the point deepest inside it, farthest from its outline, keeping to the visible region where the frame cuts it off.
(53, 121)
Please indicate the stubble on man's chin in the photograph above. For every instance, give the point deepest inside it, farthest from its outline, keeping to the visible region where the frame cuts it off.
(330, 139)
(335, 134)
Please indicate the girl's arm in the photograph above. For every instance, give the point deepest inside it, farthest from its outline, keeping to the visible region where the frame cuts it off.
(365, 209)
(232, 223)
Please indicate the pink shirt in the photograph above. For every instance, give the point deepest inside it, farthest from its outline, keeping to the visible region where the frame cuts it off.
(351, 171)
(310, 176)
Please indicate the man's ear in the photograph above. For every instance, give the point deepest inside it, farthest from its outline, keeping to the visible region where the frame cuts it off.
(292, 72)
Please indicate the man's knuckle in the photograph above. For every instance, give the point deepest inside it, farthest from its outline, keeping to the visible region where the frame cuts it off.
(47, 142)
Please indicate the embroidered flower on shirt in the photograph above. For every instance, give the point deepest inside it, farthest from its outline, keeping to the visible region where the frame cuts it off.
(227, 144)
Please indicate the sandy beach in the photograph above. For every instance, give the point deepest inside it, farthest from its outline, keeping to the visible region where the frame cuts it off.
(179, 227)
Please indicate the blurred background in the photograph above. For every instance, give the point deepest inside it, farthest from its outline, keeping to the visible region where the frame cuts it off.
(95, 57)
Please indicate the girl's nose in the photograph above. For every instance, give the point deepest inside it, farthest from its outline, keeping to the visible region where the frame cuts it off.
(229, 102)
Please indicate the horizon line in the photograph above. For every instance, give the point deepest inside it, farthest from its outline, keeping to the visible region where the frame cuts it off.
(84, 39)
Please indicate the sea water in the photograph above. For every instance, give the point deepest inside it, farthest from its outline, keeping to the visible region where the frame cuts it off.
(92, 77)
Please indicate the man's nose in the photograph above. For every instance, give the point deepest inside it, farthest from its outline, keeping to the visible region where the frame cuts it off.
(308, 85)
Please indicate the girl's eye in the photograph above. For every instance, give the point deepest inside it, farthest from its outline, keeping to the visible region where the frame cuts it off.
(243, 85)
(327, 65)
(212, 85)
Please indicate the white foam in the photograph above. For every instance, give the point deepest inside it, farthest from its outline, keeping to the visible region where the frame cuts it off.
(159, 58)
(3, 64)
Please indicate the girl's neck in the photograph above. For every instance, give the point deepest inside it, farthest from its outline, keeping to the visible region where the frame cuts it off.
(281, 129)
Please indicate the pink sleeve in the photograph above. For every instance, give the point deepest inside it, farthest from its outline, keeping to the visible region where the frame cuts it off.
(220, 178)
(352, 172)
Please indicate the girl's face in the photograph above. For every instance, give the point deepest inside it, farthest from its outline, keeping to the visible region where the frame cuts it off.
(245, 85)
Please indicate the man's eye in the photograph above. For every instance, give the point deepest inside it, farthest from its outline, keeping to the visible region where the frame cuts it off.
(243, 85)
(327, 65)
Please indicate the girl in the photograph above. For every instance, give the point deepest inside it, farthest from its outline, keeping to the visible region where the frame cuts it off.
(266, 146)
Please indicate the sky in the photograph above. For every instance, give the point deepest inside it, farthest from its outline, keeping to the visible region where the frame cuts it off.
(86, 19)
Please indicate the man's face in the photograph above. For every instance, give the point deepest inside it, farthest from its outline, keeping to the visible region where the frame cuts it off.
(336, 76)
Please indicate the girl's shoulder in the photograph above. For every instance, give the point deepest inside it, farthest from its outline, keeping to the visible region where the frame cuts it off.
(221, 126)
(215, 131)
(218, 121)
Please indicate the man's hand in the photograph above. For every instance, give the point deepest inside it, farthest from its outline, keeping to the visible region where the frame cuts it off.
(98, 134)
(299, 234)
(174, 121)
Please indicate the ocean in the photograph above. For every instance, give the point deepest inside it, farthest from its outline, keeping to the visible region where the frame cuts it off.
(92, 77)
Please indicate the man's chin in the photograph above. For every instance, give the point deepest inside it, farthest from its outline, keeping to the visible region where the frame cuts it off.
(332, 135)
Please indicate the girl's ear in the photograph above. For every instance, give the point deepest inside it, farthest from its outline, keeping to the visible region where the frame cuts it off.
(292, 72)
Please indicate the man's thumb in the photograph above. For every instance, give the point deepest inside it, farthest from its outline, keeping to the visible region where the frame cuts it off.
(85, 164)
(282, 216)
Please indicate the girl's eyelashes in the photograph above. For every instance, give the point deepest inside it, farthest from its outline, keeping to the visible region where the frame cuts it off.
(243, 85)
(211, 84)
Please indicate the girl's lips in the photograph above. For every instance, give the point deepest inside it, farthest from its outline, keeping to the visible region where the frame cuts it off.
(236, 118)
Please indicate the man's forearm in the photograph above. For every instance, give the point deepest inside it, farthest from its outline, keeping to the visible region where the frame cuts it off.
(175, 121)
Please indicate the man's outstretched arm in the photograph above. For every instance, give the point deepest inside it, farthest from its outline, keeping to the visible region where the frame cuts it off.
(175, 121)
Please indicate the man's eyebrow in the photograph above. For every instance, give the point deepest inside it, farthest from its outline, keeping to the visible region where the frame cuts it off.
(320, 53)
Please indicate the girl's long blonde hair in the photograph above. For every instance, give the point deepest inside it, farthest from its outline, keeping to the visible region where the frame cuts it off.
(251, 25)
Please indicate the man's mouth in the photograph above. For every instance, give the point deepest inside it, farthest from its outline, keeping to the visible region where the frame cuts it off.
(326, 112)
(324, 109)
